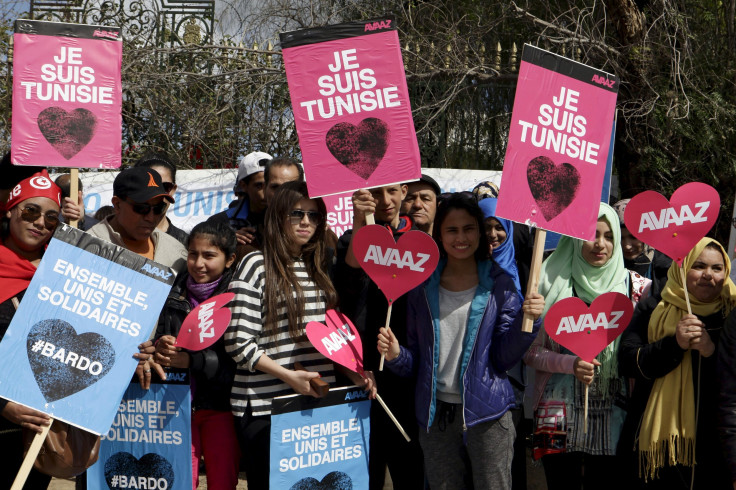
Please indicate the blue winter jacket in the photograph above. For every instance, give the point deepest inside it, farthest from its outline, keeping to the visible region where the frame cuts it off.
(493, 343)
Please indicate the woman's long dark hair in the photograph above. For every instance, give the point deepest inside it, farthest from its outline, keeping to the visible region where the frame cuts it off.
(467, 203)
(281, 282)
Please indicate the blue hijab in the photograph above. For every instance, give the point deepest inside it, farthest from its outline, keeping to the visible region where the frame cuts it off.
(505, 255)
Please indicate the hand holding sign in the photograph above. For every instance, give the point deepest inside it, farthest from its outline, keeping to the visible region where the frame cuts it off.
(395, 267)
(586, 331)
(673, 227)
(339, 341)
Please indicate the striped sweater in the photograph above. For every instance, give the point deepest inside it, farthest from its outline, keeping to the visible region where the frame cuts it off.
(246, 343)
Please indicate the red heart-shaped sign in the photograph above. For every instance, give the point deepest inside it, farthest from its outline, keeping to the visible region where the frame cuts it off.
(206, 323)
(673, 227)
(395, 267)
(338, 340)
(587, 331)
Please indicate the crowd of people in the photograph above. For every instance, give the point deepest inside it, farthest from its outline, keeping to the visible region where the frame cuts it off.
(661, 398)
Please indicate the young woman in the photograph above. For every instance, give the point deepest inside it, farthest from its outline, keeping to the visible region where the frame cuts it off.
(211, 254)
(278, 291)
(464, 332)
(31, 216)
(571, 457)
(671, 427)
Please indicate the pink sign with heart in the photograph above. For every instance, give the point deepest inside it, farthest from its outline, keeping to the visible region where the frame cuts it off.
(351, 106)
(206, 323)
(67, 95)
(584, 330)
(395, 267)
(673, 227)
(559, 140)
(338, 340)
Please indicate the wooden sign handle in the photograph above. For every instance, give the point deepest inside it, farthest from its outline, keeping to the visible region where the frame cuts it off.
(73, 192)
(585, 411)
(31, 455)
(532, 286)
(684, 286)
(393, 419)
(388, 322)
(319, 385)
(370, 219)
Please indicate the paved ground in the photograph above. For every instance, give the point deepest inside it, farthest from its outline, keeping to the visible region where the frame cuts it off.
(535, 476)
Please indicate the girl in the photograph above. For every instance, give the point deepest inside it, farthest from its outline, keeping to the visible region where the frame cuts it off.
(278, 291)
(30, 220)
(211, 250)
(464, 332)
(671, 428)
(572, 458)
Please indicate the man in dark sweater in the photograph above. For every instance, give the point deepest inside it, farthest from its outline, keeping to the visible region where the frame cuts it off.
(366, 305)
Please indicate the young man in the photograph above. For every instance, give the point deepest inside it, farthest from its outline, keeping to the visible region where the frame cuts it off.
(280, 171)
(366, 305)
(421, 202)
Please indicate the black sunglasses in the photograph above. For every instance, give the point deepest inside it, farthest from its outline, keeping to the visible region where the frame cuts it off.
(31, 213)
(145, 208)
(297, 216)
(168, 186)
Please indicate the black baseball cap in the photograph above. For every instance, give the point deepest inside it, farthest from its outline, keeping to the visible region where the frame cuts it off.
(140, 184)
(431, 182)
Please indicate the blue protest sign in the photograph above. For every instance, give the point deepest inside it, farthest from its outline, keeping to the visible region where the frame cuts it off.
(69, 350)
(320, 442)
(149, 443)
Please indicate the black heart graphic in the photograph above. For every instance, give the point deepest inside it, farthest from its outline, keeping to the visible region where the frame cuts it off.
(67, 132)
(123, 468)
(360, 148)
(63, 362)
(336, 480)
(553, 187)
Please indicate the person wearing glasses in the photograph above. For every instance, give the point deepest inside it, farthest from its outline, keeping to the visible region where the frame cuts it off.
(140, 200)
(167, 170)
(277, 292)
(31, 216)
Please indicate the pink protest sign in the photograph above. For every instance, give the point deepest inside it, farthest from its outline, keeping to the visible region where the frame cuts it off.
(351, 106)
(587, 331)
(67, 95)
(673, 227)
(339, 212)
(206, 323)
(395, 267)
(338, 340)
(558, 143)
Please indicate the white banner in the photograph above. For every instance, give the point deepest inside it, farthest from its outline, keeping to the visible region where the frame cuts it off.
(202, 193)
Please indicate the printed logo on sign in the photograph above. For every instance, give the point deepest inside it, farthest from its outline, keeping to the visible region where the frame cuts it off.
(373, 26)
(108, 34)
(336, 340)
(176, 376)
(356, 395)
(669, 216)
(205, 321)
(603, 81)
(155, 271)
(568, 324)
(392, 257)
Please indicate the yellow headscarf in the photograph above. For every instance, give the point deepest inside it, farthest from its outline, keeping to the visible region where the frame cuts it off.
(668, 426)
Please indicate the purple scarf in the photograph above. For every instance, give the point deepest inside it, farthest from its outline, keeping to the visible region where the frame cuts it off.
(196, 292)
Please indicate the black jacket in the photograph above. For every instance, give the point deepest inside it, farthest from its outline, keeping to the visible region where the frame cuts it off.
(212, 369)
(726, 376)
(643, 362)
